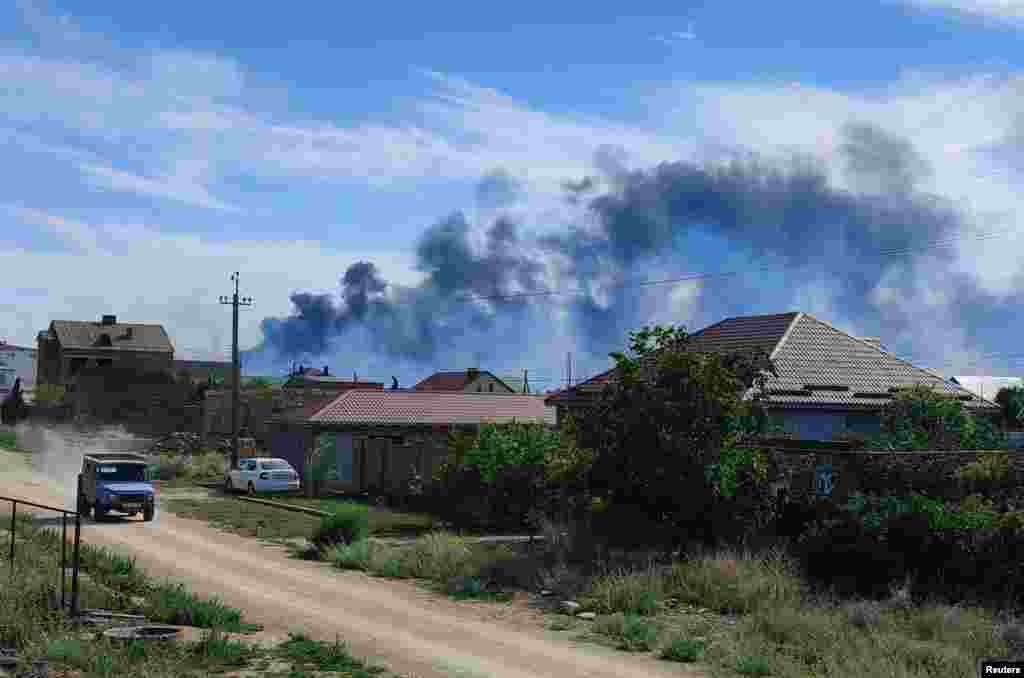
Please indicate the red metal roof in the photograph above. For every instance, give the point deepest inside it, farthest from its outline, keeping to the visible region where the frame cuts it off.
(412, 408)
(454, 381)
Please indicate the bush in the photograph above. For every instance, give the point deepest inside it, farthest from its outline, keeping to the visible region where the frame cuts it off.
(683, 650)
(508, 569)
(863, 613)
(355, 556)
(348, 524)
(633, 634)
(437, 556)
(734, 582)
(176, 605)
(631, 593)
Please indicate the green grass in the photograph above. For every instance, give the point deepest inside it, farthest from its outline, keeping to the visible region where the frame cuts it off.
(323, 656)
(246, 518)
(685, 650)
(630, 633)
(35, 631)
(174, 604)
(9, 441)
(382, 521)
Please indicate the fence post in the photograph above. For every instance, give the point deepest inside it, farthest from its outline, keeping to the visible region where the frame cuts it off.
(14, 516)
(63, 560)
(74, 571)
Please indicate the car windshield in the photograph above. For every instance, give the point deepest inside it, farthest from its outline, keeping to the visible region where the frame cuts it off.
(121, 472)
(275, 464)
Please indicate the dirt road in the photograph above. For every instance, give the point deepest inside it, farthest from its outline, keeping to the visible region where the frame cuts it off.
(410, 631)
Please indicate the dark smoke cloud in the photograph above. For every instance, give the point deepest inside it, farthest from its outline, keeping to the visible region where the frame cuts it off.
(498, 189)
(786, 212)
(878, 162)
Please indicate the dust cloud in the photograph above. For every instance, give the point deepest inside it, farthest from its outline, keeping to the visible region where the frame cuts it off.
(57, 451)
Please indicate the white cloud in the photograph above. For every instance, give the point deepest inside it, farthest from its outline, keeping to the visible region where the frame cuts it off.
(143, 273)
(676, 37)
(1008, 11)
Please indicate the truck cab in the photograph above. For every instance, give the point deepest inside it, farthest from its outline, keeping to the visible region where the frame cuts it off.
(115, 483)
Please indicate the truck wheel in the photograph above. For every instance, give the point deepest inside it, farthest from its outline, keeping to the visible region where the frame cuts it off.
(148, 512)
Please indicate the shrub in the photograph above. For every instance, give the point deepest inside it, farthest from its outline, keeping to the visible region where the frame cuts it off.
(348, 524)
(683, 650)
(633, 634)
(863, 613)
(355, 556)
(437, 556)
(631, 593)
(734, 582)
(509, 569)
(752, 665)
(175, 605)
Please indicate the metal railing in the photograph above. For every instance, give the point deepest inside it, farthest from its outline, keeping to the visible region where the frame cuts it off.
(75, 565)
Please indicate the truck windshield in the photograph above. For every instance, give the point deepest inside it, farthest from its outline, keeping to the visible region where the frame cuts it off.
(121, 472)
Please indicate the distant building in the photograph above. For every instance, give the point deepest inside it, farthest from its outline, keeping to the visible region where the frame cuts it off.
(70, 347)
(17, 362)
(468, 381)
(204, 371)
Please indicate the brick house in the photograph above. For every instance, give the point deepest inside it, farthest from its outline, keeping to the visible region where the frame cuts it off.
(468, 381)
(69, 347)
(377, 437)
(830, 384)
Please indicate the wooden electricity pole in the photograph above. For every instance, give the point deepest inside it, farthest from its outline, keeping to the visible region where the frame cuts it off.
(235, 302)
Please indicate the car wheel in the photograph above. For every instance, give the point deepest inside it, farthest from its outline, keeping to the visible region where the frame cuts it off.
(229, 487)
(252, 488)
(148, 512)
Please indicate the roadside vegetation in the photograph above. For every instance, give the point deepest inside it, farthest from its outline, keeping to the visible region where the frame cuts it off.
(689, 556)
(203, 466)
(9, 441)
(33, 627)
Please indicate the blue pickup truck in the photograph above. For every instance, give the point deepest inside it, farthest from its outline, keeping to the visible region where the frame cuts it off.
(115, 483)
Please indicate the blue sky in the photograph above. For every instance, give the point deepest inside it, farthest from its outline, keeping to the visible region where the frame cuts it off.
(149, 150)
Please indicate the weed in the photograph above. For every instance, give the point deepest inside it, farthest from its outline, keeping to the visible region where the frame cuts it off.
(752, 665)
(355, 556)
(733, 582)
(437, 556)
(863, 613)
(325, 656)
(173, 604)
(348, 524)
(683, 650)
(631, 593)
(633, 634)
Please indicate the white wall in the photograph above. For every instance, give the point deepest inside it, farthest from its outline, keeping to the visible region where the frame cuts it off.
(23, 362)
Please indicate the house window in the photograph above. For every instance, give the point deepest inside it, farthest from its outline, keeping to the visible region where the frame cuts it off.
(105, 362)
(479, 388)
(77, 364)
(490, 387)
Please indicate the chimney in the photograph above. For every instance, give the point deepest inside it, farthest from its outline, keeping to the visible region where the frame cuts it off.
(326, 373)
(472, 372)
(109, 320)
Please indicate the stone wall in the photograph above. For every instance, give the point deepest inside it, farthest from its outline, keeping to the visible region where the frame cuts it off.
(840, 473)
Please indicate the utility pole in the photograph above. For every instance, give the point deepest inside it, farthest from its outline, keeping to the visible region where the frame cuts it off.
(235, 302)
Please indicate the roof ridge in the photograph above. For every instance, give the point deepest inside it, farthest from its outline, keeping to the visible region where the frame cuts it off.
(878, 349)
(789, 330)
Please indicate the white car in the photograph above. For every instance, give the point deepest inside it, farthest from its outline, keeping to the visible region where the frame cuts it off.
(261, 474)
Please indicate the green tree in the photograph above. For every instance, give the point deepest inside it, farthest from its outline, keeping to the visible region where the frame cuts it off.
(1011, 400)
(920, 418)
(660, 431)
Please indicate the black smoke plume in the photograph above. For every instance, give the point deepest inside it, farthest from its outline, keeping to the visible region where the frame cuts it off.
(640, 222)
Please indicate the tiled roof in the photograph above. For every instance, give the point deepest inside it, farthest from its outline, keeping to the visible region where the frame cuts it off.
(77, 334)
(302, 409)
(454, 381)
(411, 408)
(841, 371)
